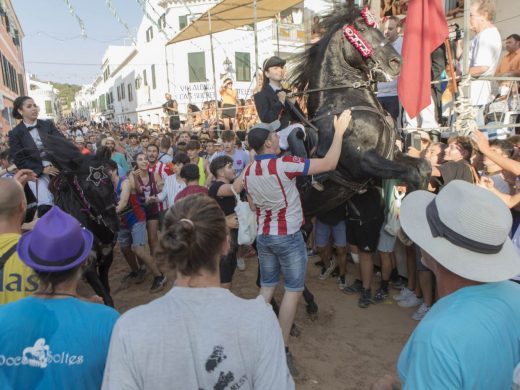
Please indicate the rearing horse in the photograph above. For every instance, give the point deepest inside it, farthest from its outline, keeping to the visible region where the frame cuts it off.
(338, 73)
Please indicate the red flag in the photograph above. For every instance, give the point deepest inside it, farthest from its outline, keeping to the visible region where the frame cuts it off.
(425, 30)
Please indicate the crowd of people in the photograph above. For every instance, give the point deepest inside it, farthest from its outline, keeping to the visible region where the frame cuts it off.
(177, 194)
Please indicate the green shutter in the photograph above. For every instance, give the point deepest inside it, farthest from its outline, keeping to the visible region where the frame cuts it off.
(243, 66)
(197, 67)
(48, 107)
(183, 21)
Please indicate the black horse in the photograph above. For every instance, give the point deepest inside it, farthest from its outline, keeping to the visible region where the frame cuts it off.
(338, 72)
(84, 190)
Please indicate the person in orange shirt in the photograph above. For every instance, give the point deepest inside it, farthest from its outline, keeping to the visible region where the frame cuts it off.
(229, 103)
(510, 63)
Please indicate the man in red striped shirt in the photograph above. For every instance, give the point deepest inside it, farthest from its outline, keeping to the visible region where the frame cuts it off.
(271, 185)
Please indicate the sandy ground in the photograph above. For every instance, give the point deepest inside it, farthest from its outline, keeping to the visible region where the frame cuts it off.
(345, 347)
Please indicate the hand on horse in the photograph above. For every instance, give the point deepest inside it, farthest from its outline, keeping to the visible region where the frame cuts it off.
(22, 176)
(341, 123)
(51, 170)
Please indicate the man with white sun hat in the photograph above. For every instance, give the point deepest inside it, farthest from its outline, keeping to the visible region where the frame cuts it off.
(470, 339)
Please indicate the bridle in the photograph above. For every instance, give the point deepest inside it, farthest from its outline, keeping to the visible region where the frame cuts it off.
(351, 34)
(92, 212)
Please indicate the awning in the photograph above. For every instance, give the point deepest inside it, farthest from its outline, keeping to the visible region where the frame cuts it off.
(230, 14)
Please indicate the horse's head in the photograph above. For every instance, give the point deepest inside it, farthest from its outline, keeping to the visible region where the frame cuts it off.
(87, 182)
(366, 48)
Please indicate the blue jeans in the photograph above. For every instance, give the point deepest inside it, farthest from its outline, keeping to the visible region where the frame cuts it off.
(285, 254)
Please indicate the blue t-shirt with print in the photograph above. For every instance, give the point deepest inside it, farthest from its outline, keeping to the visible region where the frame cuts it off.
(240, 160)
(54, 343)
(470, 339)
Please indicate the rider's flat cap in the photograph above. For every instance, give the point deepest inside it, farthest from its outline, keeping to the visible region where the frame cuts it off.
(273, 61)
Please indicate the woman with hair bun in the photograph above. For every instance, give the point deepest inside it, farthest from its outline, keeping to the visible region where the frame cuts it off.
(199, 335)
(27, 148)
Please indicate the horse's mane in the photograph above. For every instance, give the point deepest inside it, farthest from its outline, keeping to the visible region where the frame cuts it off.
(66, 156)
(310, 59)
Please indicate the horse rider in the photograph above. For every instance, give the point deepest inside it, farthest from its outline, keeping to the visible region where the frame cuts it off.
(273, 104)
(27, 148)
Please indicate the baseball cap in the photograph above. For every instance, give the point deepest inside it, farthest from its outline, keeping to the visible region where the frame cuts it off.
(259, 133)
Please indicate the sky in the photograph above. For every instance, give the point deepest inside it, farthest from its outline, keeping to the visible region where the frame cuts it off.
(53, 36)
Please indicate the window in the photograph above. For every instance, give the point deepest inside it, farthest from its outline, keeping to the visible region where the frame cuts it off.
(154, 85)
(48, 107)
(197, 67)
(103, 102)
(111, 97)
(10, 77)
(21, 86)
(149, 34)
(130, 97)
(122, 91)
(145, 80)
(183, 21)
(137, 83)
(106, 73)
(162, 21)
(118, 94)
(243, 65)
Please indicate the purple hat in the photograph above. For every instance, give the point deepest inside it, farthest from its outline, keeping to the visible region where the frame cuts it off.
(57, 243)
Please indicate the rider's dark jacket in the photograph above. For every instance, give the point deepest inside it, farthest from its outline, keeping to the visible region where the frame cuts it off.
(270, 108)
(22, 148)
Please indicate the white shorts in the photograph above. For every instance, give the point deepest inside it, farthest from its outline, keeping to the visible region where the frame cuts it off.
(40, 189)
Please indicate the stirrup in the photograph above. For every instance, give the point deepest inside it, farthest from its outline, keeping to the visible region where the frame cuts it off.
(317, 185)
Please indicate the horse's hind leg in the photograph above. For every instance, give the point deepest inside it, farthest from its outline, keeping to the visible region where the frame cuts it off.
(413, 171)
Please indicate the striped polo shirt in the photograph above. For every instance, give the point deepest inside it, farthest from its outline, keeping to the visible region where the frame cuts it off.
(270, 181)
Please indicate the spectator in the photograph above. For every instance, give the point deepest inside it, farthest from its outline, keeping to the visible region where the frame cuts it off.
(119, 158)
(271, 186)
(229, 102)
(457, 157)
(57, 340)
(223, 190)
(463, 235)
(212, 338)
(134, 147)
(80, 144)
(388, 8)
(240, 157)
(18, 280)
(144, 141)
(484, 52)
(190, 174)
(192, 150)
(132, 232)
(493, 170)
(174, 184)
(164, 148)
(387, 92)
(510, 63)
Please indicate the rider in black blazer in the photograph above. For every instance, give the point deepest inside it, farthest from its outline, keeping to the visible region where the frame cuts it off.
(273, 104)
(22, 148)
(26, 153)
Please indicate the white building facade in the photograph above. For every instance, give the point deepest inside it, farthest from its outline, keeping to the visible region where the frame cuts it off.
(45, 96)
(134, 79)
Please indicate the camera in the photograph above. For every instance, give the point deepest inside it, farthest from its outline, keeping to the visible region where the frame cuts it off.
(455, 32)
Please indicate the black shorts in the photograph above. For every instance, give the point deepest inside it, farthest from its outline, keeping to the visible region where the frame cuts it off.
(228, 263)
(152, 212)
(365, 219)
(229, 111)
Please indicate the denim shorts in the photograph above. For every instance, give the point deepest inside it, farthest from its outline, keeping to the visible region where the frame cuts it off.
(323, 231)
(282, 254)
(135, 237)
(386, 242)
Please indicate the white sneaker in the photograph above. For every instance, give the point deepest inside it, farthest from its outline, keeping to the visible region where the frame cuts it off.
(411, 301)
(403, 294)
(342, 285)
(420, 312)
(326, 272)
(241, 264)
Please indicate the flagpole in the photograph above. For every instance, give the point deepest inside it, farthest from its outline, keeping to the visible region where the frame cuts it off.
(213, 68)
(465, 52)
